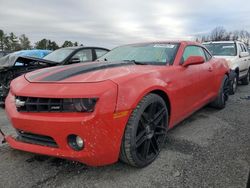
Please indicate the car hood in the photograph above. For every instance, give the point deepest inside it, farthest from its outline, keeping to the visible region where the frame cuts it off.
(228, 58)
(90, 72)
(10, 60)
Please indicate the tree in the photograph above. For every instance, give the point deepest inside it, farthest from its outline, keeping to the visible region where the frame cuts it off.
(235, 35)
(46, 44)
(67, 44)
(14, 43)
(24, 42)
(42, 44)
(244, 36)
(2, 35)
(7, 43)
(219, 33)
(75, 43)
(52, 45)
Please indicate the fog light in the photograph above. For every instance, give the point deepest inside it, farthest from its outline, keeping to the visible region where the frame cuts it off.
(75, 142)
(79, 142)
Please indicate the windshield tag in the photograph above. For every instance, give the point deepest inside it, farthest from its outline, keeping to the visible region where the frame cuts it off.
(164, 46)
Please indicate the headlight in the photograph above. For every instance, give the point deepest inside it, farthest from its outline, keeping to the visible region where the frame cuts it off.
(80, 105)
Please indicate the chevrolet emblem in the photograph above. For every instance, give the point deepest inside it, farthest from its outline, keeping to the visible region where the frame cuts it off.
(19, 103)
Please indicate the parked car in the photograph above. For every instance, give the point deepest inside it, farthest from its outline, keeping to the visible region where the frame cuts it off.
(7, 60)
(238, 58)
(70, 55)
(120, 106)
(32, 53)
(16, 64)
(4, 53)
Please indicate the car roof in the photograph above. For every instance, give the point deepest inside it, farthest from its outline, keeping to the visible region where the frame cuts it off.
(215, 42)
(31, 51)
(168, 41)
(83, 47)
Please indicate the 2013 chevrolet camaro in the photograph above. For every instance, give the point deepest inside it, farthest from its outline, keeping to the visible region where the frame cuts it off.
(118, 107)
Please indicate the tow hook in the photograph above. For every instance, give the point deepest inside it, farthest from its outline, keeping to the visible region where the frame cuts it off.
(3, 139)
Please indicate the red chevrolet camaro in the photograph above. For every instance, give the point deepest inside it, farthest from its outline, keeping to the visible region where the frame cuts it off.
(119, 107)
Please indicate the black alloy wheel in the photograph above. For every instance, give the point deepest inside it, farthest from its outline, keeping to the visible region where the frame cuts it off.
(145, 133)
(226, 90)
(220, 101)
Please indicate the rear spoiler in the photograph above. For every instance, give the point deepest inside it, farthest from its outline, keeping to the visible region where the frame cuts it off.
(2, 135)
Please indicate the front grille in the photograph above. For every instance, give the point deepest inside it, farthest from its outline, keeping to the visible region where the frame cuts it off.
(34, 104)
(36, 139)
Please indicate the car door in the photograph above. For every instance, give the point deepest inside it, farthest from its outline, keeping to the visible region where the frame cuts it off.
(84, 55)
(242, 61)
(245, 60)
(210, 68)
(197, 81)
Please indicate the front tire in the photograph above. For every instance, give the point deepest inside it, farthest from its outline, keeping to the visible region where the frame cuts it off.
(220, 101)
(145, 132)
(245, 81)
(233, 83)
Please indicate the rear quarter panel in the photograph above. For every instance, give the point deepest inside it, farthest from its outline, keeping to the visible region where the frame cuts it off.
(221, 68)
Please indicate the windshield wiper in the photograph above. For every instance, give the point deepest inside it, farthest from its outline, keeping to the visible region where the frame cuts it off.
(137, 62)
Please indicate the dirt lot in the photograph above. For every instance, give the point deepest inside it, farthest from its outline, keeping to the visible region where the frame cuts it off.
(209, 149)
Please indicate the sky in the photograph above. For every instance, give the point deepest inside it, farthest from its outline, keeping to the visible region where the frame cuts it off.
(110, 23)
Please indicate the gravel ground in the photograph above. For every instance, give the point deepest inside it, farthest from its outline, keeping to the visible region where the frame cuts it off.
(209, 149)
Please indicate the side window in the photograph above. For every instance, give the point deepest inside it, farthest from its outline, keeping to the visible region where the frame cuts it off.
(100, 52)
(84, 55)
(241, 48)
(244, 47)
(192, 51)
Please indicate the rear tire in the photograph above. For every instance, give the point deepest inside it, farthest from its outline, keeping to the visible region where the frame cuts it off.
(220, 101)
(245, 80)
(145, 132)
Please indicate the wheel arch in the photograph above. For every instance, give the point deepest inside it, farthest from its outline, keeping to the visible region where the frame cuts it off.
(133, 98)
(158, 91)
(165, 97)
(237, 71)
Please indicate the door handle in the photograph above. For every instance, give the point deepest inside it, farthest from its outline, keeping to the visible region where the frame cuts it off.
(210, 69)
(245, 60)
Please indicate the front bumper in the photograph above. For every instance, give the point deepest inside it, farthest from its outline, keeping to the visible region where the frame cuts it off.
(102, 134)
(101, 130)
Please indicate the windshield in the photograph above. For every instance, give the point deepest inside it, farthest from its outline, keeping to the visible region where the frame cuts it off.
(58, 55)
(146, 53)
(222, 49)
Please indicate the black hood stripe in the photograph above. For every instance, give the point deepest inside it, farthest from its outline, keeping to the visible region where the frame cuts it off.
(43, 71)
(74, 71)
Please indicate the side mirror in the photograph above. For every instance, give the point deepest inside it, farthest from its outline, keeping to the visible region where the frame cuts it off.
(74, 60)
(194, 60)
(244, 54)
